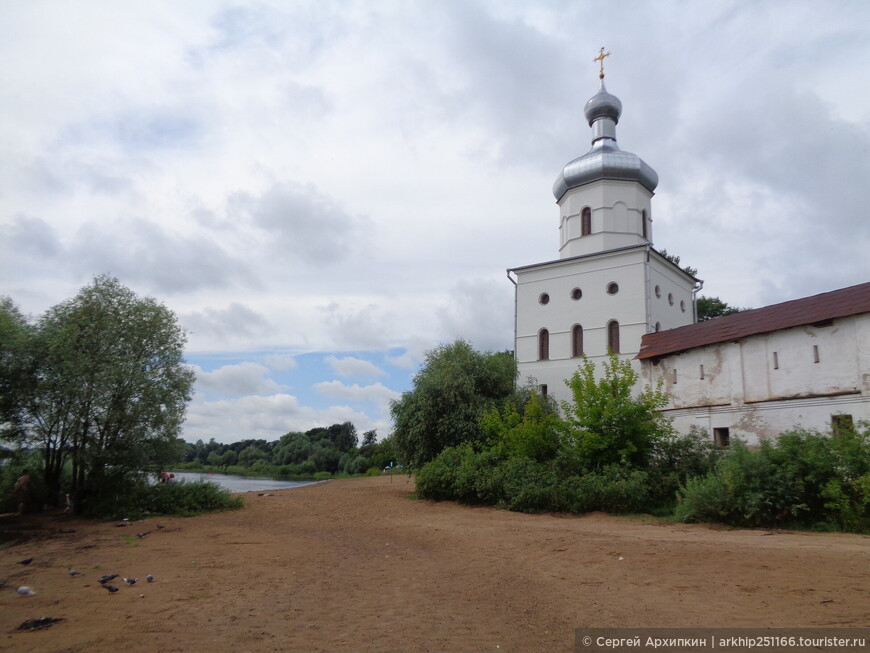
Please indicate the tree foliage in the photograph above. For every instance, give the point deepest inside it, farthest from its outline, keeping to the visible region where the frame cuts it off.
(331, 449)
(450, 393)
(673, 258)
(605, 423)
(106, 387)
(712, 307)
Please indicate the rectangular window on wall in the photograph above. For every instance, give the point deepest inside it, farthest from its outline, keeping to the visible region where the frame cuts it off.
(544, 389)
(702, 371)
(815, 353)
(722, 436)
(842, 423)
(775, 361)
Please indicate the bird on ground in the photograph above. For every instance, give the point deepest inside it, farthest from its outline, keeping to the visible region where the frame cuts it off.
(73, 572)
(26, 561)
(130, 581)
(105, 579)
(149, 578)
(26, 591)
(159, 526)
(141, 535)
(112, 589)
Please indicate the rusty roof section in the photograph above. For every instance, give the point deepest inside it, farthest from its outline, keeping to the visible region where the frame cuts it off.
(797, 312)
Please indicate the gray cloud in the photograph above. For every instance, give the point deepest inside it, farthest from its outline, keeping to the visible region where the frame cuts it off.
(29, 237)
(140, 251)
(300, 222)
(480, 311)
(235, 321)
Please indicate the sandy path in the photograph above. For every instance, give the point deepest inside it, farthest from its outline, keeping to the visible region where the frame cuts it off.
(356, 565)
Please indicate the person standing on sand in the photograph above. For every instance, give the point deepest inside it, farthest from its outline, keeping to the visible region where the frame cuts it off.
(21, 491)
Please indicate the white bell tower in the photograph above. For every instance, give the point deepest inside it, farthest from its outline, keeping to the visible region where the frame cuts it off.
(609, 287)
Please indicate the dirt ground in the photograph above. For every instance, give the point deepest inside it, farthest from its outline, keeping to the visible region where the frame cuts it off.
(359, 565)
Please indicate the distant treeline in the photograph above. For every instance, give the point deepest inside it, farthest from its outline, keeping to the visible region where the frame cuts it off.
(329, 450)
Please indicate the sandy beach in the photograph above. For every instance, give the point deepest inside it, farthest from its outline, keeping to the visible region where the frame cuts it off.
(360, 565)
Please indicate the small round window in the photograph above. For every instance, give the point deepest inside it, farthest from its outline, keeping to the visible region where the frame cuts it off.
(576, 294)
(612, 288)
(544, 298)
(671, 298)
(683, 305)
(658, 292)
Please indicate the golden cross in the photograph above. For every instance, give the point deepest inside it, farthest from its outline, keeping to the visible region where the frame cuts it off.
(600, 58)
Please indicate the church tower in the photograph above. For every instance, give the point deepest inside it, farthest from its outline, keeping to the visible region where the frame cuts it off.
(609, 287)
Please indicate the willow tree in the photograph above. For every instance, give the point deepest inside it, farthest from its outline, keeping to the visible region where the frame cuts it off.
(111, 387)
(456, 385)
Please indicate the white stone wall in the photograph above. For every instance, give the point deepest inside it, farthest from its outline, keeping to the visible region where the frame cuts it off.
(765, 384)
(633, 306)
(617, 207)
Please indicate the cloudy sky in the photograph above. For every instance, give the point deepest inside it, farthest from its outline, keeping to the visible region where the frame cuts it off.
(323, 190)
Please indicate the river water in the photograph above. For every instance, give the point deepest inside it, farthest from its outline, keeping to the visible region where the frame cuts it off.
(240, 483)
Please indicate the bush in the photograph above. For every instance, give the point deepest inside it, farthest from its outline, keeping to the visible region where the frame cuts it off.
(676, 458)
(803, 478)
(137, 498)
(606, 424)
(613, 489)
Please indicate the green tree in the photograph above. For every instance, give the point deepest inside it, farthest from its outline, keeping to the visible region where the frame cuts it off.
(713, 307)
(369, 438)
(16, 367)
(229, 457)
(450, 393)
(110, 387)
(343, 436)
(607, 425)
(250, 455)
(534, 433)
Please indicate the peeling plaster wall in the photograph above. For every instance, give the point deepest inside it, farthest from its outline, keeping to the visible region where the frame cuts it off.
(762, 385)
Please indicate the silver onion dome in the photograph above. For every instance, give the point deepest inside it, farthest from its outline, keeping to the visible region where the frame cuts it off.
(602, 105)
(605, 160)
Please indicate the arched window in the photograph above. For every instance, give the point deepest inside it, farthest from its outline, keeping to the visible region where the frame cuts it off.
(613, 336)
(586, 222)
(577, 340)
(643, 225)
(543, 345)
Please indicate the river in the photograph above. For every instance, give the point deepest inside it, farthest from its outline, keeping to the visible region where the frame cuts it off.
(241, 483)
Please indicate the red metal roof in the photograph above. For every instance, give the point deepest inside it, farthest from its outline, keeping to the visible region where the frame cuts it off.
(807, 310)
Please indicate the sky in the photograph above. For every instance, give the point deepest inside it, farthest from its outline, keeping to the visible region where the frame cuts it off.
(323, 191)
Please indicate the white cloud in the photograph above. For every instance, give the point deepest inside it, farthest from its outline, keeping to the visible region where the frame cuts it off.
(350, 366)
(241, 379)
(375, 393)
(281, 362)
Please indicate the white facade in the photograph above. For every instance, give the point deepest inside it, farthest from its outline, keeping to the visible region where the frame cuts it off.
(758, 386)
(561, 295)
